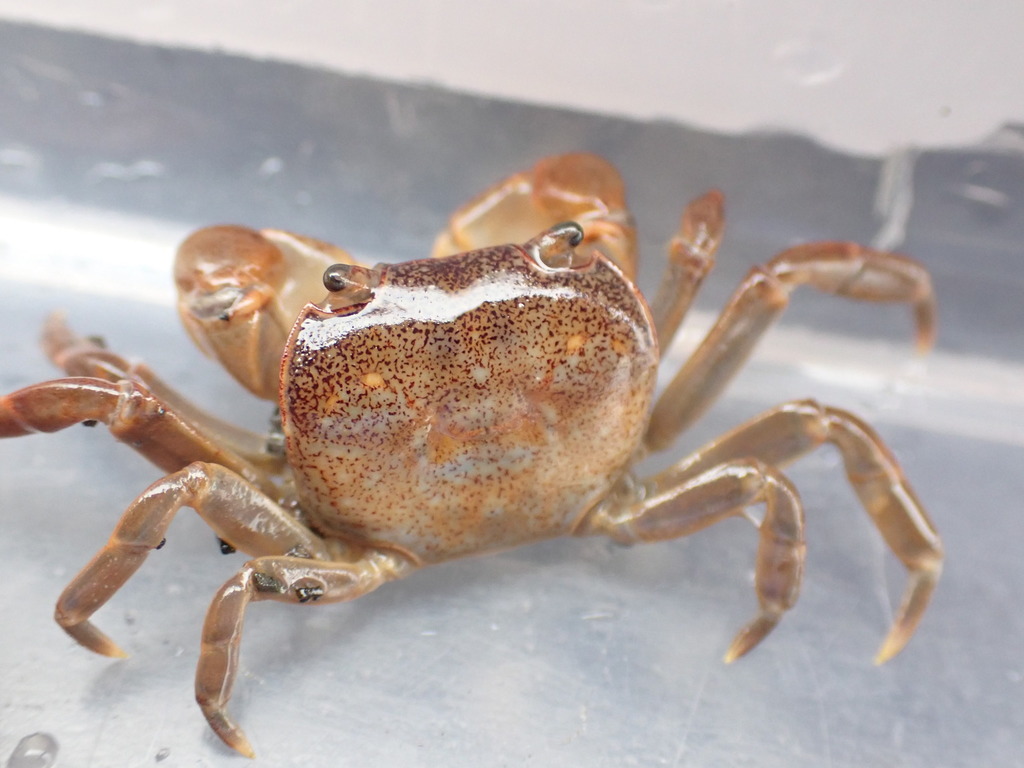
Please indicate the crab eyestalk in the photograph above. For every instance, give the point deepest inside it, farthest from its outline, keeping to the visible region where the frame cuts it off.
(349, 284)
(556, 247)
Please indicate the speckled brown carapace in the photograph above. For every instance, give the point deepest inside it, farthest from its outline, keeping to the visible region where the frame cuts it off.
(477, 402)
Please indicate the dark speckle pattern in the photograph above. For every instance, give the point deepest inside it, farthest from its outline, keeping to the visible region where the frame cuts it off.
(477, 402)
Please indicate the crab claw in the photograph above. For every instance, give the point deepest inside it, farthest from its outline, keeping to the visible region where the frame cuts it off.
(239, 290)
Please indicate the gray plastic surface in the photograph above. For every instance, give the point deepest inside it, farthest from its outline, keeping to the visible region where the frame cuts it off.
(572, 652)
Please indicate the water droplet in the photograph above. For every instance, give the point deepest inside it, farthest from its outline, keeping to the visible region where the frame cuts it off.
(163, 754)
(37, 750)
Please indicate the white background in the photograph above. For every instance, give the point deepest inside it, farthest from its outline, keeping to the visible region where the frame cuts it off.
(866, 77)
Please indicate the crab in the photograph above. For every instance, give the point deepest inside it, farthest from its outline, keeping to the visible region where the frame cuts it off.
(484, 398)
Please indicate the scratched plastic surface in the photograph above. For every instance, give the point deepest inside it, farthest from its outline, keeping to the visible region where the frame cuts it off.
(566, 653)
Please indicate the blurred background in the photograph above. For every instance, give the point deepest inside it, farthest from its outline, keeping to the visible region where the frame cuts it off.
(125, 125)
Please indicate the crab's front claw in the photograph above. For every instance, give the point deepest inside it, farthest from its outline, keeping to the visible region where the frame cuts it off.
(239, 291)
(579, 187)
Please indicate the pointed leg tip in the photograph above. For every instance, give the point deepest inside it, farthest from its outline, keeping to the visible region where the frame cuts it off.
(244, 748)
(926, 331)
(915, 601)
(88, 636)
(110, 649)
(752, 634)
(732, 654)
(104, 646)
(923, 344)
(116, 652)
(238, 742)
(228, 732)
(741, 645)
(894, 642)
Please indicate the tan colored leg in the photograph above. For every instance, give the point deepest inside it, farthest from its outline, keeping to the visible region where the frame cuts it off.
(790, 431)
(579, 187)
(135, 417)
(841, 269)
(724, 491)
(284, 579)
(81, 356)
(691, 256)
(238, 512)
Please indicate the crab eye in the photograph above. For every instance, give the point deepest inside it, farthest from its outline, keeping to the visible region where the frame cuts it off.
(350, 277)
(351, 283)
(554, 248)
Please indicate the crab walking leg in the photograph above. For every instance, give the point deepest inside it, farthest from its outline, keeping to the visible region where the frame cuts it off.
(133, 414)
(284, 579)
(792, 430)
(237, 511)
(841, 269)
(710, 497)
(579, 186)
(87, 356)
(691, 256)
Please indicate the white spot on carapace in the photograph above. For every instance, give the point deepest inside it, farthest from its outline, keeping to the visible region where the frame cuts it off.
(575, 343)
(373, 380)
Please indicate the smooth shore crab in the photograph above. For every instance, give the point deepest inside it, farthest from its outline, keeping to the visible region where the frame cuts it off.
(468, 403)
